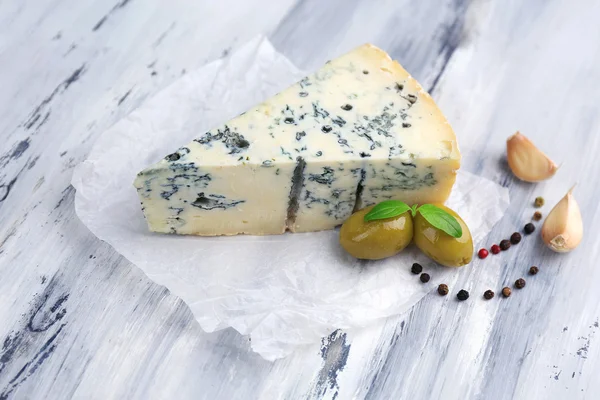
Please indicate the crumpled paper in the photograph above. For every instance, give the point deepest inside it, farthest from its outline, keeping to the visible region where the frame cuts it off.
(283, 291)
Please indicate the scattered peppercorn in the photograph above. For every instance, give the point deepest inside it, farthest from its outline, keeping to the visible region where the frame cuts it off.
(533, 270)
(506, 292)
(515, 238)
(539, 202)
(537, 216)
(462, 295)
(424, 277)
(488, 294)
(495, 249)
(483, 253)
(346, 107)
(505, 245)
(520, 283)
(529, 228)
(443, 289)
(416, 268)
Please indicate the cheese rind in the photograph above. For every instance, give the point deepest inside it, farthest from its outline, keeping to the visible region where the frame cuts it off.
(358, 131)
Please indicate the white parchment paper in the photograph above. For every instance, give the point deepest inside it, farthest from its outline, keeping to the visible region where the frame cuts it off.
(284, 290)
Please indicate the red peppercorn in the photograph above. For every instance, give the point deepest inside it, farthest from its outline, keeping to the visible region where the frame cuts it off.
(495, 249)
(483, 253)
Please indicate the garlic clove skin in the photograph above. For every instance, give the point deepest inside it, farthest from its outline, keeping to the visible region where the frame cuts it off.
(526, 161)
(563, 228)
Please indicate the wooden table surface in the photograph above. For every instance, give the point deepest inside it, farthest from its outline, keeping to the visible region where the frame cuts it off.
(80, 321)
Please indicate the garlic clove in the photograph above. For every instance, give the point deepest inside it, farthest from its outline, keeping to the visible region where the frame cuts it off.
(563, 228)
(526, 161)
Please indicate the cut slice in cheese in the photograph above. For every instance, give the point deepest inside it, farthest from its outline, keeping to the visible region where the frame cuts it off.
(358, 131)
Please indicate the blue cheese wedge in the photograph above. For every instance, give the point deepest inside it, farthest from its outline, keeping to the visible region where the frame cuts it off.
(358, 131)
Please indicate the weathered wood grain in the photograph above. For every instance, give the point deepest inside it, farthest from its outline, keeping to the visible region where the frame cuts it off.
(80, 321)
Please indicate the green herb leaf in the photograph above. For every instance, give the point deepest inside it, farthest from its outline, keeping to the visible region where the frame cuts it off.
(387, 209)
(441, 220)
(413, 210)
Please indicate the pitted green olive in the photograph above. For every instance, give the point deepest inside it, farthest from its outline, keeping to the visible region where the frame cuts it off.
(441, 247)
(377, 239)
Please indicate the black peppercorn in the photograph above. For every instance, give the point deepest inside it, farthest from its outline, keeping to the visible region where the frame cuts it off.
(326, 128)
(506, 292)
(533, 270)
(462, 295)
(529, 228)
(443, 289)
(346, 107)
(424, 277)
(416, 268)
(515, 238)
(289, 120)
(505, 244)
(488, 294)
(365, 72)
(520, 283)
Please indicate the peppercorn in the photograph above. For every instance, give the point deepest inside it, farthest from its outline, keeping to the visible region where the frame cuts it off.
(533, 270)
(416, 268)
(520, 283)
(515, 238)
(443, 289)
(505, 245)
(495, 249)
(424, 278)
(483, 253)
(506, 292)
(539, 202)
(462, 295)
(488, 294)
(529, 228)
(537, 216)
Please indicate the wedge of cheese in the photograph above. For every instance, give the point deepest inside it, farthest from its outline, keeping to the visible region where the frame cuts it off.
(358, 131)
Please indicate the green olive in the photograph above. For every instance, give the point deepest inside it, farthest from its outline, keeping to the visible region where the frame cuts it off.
(441, 247)
(377, 239)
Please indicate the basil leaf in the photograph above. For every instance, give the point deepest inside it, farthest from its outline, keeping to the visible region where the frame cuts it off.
(441, 220)
(413, 210)
(387, 209)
